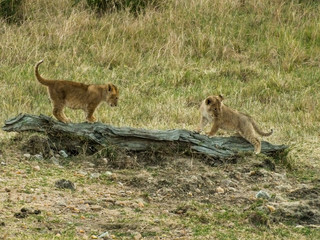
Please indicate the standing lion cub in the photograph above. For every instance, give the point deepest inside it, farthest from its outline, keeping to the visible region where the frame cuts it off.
(77, 96)
(213, 110)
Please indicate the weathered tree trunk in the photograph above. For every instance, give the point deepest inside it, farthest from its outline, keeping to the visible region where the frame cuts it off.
(98, 135)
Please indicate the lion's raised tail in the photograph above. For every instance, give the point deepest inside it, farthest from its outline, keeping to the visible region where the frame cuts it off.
(259, 131)
(43, 81)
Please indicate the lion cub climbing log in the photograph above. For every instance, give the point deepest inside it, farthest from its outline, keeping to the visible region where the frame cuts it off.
(77, 96)
(213, 110)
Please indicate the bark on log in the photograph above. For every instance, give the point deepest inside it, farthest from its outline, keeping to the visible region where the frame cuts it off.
(133, 139)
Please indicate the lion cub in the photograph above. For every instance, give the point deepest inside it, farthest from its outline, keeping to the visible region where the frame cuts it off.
(213, 110)
(77, 96)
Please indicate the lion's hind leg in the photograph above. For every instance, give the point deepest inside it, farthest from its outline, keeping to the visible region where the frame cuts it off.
(249, 135)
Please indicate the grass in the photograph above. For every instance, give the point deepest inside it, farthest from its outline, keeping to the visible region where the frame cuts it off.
(263, 56)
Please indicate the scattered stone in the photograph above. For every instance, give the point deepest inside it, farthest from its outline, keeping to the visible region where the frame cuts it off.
(137, 236)
(54, 160)
(271, 208)
(39, 157)
(96, 208)
(27, 155)
(262, 194)
(3, 163)
(220, 190)
(108, 173)
(82, 173)
(37, 168)
(94, 237)
(105, 160)
(103, 235)
(63, 153)
(95, 175)
(61, 203)
(65, 184)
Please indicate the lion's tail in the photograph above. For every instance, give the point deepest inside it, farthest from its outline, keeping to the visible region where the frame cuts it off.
(43, 81)
(259, 131)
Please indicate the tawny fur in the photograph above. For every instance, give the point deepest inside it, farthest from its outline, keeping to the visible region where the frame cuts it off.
(214, 111)
(77, 96)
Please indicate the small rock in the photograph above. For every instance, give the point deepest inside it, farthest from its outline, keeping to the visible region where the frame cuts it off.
(271, 208)
(54, 160)
(105, 160)
(39, 157)
(262, 194)
(137, 236)
(61, 203)
(96, 208)
(220, 190)
(95, 175)
(63, 153)
(82, 173)
(299, 226)
(63, 183)
(108, 173)
(105, 234)
(94, 237)
(27, 155)
(37, 168)
(3, 163)
(91, 164)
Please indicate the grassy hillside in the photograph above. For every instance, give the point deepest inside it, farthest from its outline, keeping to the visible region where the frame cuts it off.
(263, 56)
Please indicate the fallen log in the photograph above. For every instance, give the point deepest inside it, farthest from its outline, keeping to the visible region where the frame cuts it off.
(98, 135)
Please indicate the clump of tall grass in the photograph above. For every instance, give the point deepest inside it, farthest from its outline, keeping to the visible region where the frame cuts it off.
(135, 6)
(11, 10)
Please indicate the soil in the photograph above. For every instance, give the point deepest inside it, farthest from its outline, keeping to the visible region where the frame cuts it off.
(143, 196)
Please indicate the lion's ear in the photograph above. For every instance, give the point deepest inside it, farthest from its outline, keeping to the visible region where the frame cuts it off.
(109, 88)
(208, 101)
(220, 97)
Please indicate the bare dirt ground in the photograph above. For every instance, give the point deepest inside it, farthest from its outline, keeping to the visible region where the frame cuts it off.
(152, 197)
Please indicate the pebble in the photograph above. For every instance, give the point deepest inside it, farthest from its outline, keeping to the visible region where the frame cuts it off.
(220, 190)
(95, 175)
(271, 208)
(137, 236)
(38, 157)
(82, 173)
(63, 153)
(27, 155)
(105, 234)
(94, 237)
(262, 194)
(3, 163)
(108, 173)
(37, 168)
(54, 160)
